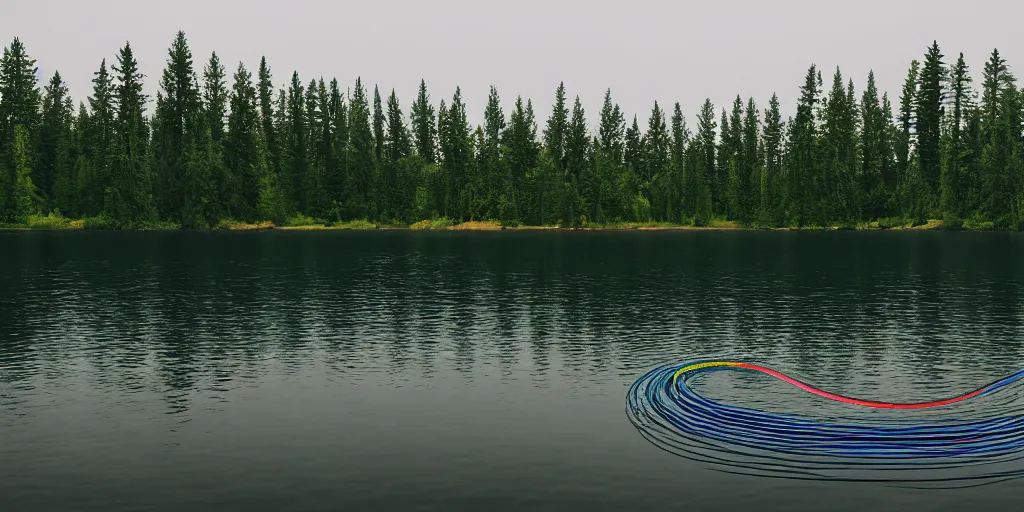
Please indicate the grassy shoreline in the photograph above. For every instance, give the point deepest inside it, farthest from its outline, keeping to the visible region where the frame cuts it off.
(57, 223)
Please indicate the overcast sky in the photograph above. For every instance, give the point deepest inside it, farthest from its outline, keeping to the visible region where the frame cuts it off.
(643, 50)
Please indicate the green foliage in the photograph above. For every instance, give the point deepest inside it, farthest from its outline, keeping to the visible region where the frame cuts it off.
(315, 154)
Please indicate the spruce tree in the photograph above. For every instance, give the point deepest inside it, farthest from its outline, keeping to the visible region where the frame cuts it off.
(952, 203)
(177, 115)
(872, 139)
(244, 155)
(656, 172)
(750, 165)
(17, 192)
(704, 165)
(97, 143)
(556, 128)
(771, 186)
(424, 125)
(363, 161)
(378, 125)
(908, 102)
(336, 178)
(227, 201)
(929, 117)
(677, 164)
(129, 197)
(803, 183)
(19, 100)
(55, 140)
(523, 152)
(577, 148)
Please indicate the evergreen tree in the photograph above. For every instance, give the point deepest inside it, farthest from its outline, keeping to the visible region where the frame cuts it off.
(336, 178)
(16, 189)
(363, 161)
(952, 203)
(267, 116)
(227, 184)
(19, 101)
(128, 198)
(704, 166)
(873, 136)
(295, 143)
(771, 210)
(424, 125)
(523, 153)
(55, 141)
(677, 165)
(803, 181)
(244, 152)
(378, 126)
(177, 104)
(929, 117)
(837, 199)
(908, 102)
(750, 165)
(657, 172)
(557, 127)
(96, 143)
(577, 149)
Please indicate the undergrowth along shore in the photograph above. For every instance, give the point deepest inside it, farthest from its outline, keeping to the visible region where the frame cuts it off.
(54, 221)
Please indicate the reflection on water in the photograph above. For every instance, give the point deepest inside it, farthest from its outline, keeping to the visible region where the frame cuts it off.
(318, 361)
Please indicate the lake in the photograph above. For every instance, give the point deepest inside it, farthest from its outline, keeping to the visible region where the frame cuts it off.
(466, 370)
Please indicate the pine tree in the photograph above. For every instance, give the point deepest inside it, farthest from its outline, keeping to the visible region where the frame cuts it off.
(244, 155)
(750, 165)
(837, 200)
(128, 199)
(803, 183)
(97, 143)
(295, 143)
(267, 116)
(771, 186)
(363, 161)
(873, 137)
(677, 164)
(523, 152)
(456, 157)
(492, 179)
(227, 201)
(19, 101)
(704, 165)
(55, 141)
(176, 130)
(16, 189)
(657, 170)
(908, 106)
(608, 158)
(336, 178)
(424, 125)
(577, 148)
(556, 129)
(929, 117)
(952, 203)
(378, 125)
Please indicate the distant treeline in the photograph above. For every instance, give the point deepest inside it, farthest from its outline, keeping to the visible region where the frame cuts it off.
(251, 151)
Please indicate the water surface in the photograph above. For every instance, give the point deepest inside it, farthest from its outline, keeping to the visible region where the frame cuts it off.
(465, 371)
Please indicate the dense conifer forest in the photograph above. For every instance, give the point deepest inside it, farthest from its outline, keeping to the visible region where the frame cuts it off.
(235, 146)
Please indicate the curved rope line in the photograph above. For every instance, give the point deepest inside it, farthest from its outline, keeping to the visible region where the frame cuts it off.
(692, 368)
(951, 446)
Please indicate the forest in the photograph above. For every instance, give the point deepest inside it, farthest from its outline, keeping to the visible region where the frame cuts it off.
(222, 149)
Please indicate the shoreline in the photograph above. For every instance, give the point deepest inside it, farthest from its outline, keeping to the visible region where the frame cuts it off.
(81, 225)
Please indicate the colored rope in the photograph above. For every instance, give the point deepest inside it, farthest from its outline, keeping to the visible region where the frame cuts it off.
(939, 447)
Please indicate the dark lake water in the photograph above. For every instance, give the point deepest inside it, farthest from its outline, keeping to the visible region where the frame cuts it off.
(466, 371)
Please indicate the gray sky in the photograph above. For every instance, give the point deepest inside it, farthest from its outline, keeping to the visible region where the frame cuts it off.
(643, 50)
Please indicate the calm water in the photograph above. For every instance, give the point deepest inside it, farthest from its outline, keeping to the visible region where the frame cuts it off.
(465, 371)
